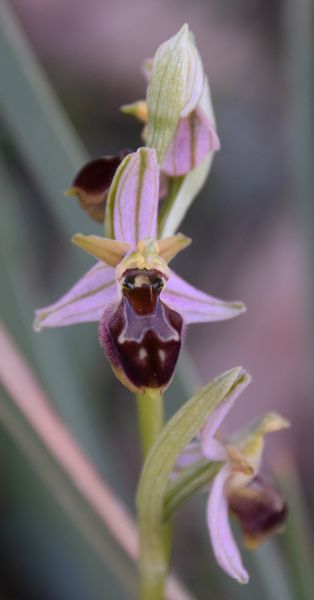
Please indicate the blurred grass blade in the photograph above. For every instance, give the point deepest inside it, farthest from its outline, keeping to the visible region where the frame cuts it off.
(58, 362)
(272, 572)
(77, 511)
(30, 400)
(298, 542)
(44, 137)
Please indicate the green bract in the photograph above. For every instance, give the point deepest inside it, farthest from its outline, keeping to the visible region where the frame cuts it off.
(158, 466)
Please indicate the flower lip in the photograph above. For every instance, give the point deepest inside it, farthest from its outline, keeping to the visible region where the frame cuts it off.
(142, 337)
(260, 509)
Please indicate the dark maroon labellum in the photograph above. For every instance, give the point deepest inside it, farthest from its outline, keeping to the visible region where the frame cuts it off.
(96, 176)
(93, 181)
(143, 335)
(260, 508)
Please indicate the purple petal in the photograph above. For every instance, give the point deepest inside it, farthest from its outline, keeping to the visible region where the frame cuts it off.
(212, 448)
(194, 139)
(86, 301)
(190, 455)
(135, 197)
(196, 306)
(224, 546)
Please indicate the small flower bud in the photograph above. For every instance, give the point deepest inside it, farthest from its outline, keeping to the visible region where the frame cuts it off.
(174, 89)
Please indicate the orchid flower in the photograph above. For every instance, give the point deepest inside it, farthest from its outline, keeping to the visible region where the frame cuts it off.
(142, 306)
(238, 487)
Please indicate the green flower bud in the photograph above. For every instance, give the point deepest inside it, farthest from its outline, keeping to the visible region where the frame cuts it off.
(175, 88)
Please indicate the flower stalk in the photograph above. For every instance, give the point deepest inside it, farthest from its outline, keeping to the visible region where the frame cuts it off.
(150, 408)
(189, 482)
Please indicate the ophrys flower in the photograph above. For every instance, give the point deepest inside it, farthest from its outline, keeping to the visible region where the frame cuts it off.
(239, 487)
(141, 304)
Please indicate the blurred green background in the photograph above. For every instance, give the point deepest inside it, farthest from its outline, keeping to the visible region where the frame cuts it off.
(65, 68)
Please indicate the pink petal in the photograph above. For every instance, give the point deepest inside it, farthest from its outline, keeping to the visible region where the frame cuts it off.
(190, 455)
(214, 450)
(136, 197)
(224, 546)
(211, 447)
(86, 301)
(194, 139)
(196, 306)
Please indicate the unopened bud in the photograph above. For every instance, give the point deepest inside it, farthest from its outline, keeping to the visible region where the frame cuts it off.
(174, 89)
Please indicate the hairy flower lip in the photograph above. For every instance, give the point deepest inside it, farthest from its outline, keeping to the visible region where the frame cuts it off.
(143, 345)
(260, 509)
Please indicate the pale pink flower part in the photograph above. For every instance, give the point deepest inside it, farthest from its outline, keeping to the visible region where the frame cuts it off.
(194, 139)
(136, 205)
(225, 549)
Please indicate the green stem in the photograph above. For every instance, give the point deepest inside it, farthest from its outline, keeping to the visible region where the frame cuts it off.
(150, 406)
(189, 482)
(173, 190)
